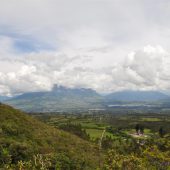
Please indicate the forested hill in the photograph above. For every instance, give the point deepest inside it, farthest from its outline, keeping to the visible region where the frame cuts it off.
(25, 138)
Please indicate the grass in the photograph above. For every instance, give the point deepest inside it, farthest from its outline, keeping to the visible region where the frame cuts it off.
(18, 129)
(94, 126)
(151, 119)
(96, 133)
(146, 131)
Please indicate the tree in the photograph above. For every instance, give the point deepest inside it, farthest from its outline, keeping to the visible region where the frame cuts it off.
(161, 132)
(142, 129)
(137, 128)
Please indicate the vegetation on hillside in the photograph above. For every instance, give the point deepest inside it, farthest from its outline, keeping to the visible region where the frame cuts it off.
(30, 144)
(130, 141)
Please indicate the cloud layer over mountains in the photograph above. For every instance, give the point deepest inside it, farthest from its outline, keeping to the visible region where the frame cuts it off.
(144, 69)
(99, 44)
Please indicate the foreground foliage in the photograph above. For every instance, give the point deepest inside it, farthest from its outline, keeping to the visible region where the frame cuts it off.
(139, 154)
(27, 142)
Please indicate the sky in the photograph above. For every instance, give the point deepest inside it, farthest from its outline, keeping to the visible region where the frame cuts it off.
(106, 45)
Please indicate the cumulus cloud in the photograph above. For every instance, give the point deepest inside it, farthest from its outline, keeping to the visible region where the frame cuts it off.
(144, 69)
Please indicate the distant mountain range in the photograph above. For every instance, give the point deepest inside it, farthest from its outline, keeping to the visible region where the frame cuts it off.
(137, 96)
(59, 99)
(62, 99)
(3, 98)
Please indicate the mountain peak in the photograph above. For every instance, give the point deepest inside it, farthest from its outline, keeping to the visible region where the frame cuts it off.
(60, 98)
(58, 87)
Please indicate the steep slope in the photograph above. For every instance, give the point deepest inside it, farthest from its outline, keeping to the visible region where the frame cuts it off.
(59, 99)
(130, 96)
(23, 136)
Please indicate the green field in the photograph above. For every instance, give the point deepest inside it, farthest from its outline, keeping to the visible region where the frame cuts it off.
(116, 133)
(96, 133)
(95, 124)
(151, 119)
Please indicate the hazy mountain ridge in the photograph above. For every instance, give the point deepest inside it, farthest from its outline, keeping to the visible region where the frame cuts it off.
(3, 98)
(130, 96)
(70, 99)
(59, 99)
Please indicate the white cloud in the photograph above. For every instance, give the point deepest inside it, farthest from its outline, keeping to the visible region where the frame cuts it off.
(84, 43)
(144, 69)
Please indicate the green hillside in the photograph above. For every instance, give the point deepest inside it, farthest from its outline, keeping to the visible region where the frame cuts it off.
(27, 142)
